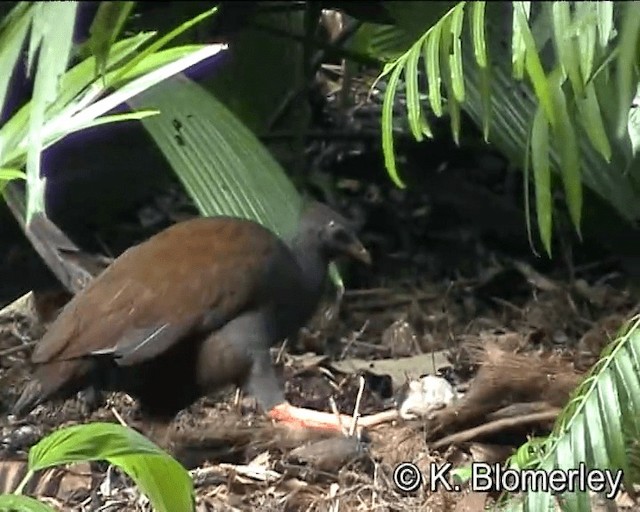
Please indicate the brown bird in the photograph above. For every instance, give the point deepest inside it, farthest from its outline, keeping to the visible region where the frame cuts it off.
(192, 309)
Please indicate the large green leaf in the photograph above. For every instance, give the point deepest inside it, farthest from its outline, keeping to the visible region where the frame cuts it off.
(164, 481)
(223, 166)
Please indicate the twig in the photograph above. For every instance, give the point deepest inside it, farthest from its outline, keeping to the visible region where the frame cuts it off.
(371, 420)
(334, 408)
(281, 350)
(17, 348)
(496, 426)
(118, 417)
(356, 408)
(353, 337)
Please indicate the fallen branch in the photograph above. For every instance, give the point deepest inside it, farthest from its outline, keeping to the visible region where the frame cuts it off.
(496, 426)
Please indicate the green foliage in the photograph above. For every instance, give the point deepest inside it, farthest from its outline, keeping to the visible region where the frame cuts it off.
(19, 503)
(68, 101)
(8, 174)
(561, 52)
(599, 427)
(160, 477)
(106, 27)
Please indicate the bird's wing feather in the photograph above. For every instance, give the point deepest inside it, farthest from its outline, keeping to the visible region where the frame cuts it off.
(196, 274)
(139, 345)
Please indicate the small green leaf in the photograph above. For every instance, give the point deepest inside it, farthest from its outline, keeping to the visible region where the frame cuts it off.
(19, 503)
(105, 28)
(163, 41)
(432, 61)
(567, 145)
(453, 107)
(534, 66)
(455, 59)
(387, 126)
(586, 13)
(477, 29)
(7, 174)
(542, 177)
(521, 13)
(591, 118)
(563, 39)
(424, 125)
(604, 21)
(413, 95)
(627, 60)
(164, 481)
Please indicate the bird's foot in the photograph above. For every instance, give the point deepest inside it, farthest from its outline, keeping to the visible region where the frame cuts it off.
(311, 419)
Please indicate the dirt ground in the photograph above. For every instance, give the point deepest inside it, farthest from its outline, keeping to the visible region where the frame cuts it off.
(514, 339)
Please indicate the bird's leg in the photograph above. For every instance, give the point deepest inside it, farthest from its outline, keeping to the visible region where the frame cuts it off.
(263, 385)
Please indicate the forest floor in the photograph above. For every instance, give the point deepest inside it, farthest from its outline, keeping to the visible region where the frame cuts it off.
(514, 339)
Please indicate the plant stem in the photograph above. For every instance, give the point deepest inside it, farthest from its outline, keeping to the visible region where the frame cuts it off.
(24, 481)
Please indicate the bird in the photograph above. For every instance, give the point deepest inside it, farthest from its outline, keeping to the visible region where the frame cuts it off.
(192, 309)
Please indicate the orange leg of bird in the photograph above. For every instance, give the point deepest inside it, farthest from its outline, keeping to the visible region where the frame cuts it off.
(308, 418)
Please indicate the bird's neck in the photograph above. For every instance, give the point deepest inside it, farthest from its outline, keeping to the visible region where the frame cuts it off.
(312, 261)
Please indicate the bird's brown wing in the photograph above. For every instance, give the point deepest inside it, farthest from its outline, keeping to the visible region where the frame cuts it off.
(197, 274)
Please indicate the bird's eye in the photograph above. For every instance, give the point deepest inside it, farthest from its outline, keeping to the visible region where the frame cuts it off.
(332, 224)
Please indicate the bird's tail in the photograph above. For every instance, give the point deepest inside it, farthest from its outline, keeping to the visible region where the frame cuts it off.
(51, 380)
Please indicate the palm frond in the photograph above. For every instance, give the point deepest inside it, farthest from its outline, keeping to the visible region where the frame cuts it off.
(599, 427)
(557, 50)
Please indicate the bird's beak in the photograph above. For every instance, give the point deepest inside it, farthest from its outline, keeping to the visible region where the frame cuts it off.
(358, 252)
